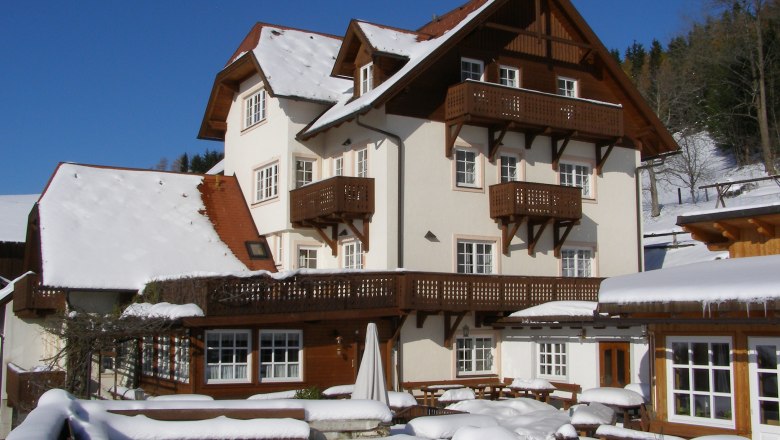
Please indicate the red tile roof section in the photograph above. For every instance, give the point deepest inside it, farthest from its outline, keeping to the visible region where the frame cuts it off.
(442, 24)
(228, 212)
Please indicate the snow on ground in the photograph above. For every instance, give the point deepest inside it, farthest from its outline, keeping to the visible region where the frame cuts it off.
(13, 216)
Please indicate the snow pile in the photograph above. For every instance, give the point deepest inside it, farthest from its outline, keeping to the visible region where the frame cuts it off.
(593, 414)
(446, 426)
(527, 418)
(338, 390)
(277, 395)
(532, 384)
(456, 395)
(170, 397)
(569, 309)
(607, 430)
(162, 310)
(642, 389)
(492, 433)
(125, 227)
(13, 216)
(612, 396)
(399, 399)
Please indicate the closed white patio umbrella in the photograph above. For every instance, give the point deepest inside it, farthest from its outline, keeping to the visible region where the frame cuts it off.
(370, 383)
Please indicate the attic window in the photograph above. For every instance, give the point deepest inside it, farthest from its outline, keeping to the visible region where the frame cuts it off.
(257, 250)
(366, 78)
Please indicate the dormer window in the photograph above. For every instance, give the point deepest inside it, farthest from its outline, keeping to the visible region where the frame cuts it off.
(471, 69)
(367, 78)
(567, 87)
(254, 108)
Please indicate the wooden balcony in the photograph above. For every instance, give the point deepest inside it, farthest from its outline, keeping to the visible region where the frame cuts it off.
(502, 108)
(25, 387)
(31, 300)
(332, 201)
(538, 205)
(320, 296)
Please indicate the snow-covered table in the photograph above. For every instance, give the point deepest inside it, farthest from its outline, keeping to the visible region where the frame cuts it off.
(622, 400)
(429, 392)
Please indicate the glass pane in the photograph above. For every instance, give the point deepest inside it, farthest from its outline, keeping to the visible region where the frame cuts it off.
(292, 371)
(700, 353)
(722, 381)
(701, 406)
(279, 355)
(722, 407)
(242, 340)
(681, 379)
(680, 353)
(682, 404)
(212, 372)
(265, 339)
(265, 355)
(226, 356)
(242, 355)
(621, 368)
(607, 367)
(720, 355)
(227, 340)
(701, 379)
(279, 370)
(212, 339)
(280, 339)
(265, 371)
(767, 385)
(767, 357)
(770, 413)
(212, 356)
(292, 355)
(293, 340)
(227, 372)
(241, 372)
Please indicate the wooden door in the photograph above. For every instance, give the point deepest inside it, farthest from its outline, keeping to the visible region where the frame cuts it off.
(615, 366)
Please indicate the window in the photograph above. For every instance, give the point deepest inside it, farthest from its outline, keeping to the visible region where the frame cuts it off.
(367, 78)
(552, 360)
(471, 69)
(567, 87)
(307, 257)
(227, 356)
(181, 361)
(280, 355)
(576, 175)
(164, 357)
(509, 171)
(577, 262)
(353, 255)
(267, 182)
(361, 163)
(466, 168)
(255, 108)
(338, 166)
(475, 257)
(475, 355)
(304, 172)
(700, 380)
(509, 76)
(147, 356)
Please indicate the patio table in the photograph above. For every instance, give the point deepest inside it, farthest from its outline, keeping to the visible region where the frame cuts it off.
(625, 402)
(429, 392)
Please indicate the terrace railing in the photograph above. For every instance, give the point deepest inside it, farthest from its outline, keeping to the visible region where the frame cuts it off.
(536, 200)
(332, 199)
(31, 299)
(25, 387)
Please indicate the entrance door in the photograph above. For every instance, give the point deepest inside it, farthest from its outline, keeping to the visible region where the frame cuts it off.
(764, 395)
(615, 364)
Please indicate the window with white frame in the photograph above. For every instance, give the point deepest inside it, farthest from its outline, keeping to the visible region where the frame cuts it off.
(147, 356)
(700, 383)
(267, 182)
(509, 76)
(509, 168)
(367, 78)
(227, 355)
(466, 168)
(475, 257)
(361, 163)
(163, 357)
(552, 360)
(307, 257)
(577, 262)
(280, 355)
(181, 360)
(567, 87)
(304, 172)
(474, 355)
(471, 69)
(353, 255)
(338, 166)
(574, 174)
(254, 108)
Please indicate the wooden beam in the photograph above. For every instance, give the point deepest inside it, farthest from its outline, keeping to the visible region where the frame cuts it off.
(728, 231)
(399, 326)
(495, 142)
(703, 236)
(233, 86)
(422, 316)
(533, 238)
(558, 152)
(331, 241)
(218, 125)
(537, 34)
(452, 130)
(361, 235)
(763, 228)
(558, 238)
(508, 234)
(450, 329)
(601, 158)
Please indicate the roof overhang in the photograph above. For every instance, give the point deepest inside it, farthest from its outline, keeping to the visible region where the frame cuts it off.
(719, 229)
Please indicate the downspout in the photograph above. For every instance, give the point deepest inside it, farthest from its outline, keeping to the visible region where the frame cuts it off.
(400, 186)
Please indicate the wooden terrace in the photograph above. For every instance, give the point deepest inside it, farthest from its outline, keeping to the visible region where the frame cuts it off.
(32, 300)
(25, 387)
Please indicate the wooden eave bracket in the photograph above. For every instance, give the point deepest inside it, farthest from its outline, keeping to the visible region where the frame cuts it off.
(451, 327)
(495, 141)
(399, 325)
(713, 241)
(361, 235)
(422, 316)
(731, 233)
(558, 238)
(533, 238)
(558, 152)
(331, 241)
(508, 232)
(452, 130)
(601, 156)
(530, 136)
(763, 228)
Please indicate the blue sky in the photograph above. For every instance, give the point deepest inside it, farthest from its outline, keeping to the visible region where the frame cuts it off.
(126, 83)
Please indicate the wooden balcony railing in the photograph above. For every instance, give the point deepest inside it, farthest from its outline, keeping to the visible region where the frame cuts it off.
(535, 200)
(496, 103)
(421, 291)
(25, 387)
(332, 200)
(33, 300)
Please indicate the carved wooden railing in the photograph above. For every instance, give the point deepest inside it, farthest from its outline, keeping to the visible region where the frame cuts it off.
(25, 387)
(33, 300)
(332, 198)
(423, 291)
(537, 200)
(533, 108)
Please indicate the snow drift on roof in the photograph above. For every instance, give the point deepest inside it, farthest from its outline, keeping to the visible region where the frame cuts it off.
(388, 40)
(753, 279)
(298, 64)
(558, 308)
(105, 228)
(13, 216)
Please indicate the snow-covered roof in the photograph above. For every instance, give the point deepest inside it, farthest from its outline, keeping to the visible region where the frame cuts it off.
(298, 64)
(569, 309)
(388, 40)
(108, 228)
(417, 51)
(752, 279)
(14, 210)
(6, 291)
(218, 168)
(162, 310)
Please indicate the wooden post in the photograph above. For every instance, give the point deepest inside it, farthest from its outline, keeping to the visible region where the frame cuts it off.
(679, 196)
